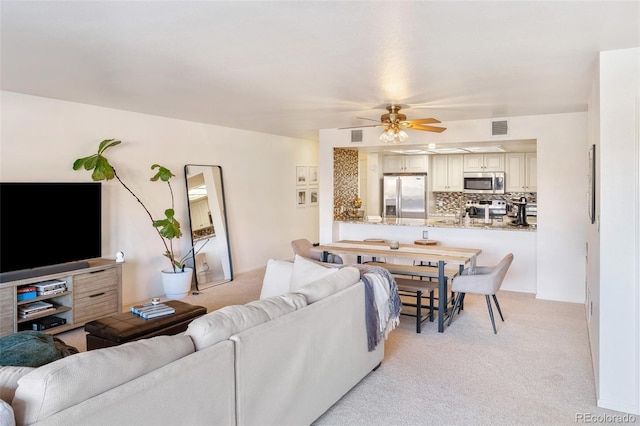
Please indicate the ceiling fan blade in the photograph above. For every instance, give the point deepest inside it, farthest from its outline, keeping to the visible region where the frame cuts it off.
(359, 127)
(422, 121)
(428, 128)
(368, 119)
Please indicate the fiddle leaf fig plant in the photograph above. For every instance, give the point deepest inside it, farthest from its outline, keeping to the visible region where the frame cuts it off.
(168, 227)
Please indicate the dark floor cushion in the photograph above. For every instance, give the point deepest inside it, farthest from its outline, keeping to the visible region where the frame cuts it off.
(32, 349)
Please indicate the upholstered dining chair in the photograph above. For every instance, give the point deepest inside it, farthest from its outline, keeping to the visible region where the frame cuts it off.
(484, 280)
(303, 247)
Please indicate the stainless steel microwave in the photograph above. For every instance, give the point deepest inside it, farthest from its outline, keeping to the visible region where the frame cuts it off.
(484, 183)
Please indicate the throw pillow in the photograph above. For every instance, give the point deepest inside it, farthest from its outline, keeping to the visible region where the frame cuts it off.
(307, 271)
(276, 278)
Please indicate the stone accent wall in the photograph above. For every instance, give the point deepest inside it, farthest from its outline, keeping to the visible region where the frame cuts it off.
(345, 179)
(453, 202)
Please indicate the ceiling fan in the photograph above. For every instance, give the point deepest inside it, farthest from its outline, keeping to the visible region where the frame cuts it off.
(395, 123)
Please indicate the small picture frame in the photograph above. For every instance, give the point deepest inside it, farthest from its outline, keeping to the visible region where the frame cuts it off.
(301, 197)
(313, 175)
(313, 196)
(301, 175)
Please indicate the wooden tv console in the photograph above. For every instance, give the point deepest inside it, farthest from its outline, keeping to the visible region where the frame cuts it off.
(92, 293)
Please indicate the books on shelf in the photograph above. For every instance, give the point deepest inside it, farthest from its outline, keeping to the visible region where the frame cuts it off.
(151, 310)
(26, 289)
(26, 292)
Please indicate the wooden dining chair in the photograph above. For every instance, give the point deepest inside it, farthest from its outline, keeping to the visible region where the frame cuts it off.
(484, 280)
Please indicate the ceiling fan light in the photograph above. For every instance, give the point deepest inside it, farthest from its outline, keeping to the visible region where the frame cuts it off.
(388, 135)
(393, 134)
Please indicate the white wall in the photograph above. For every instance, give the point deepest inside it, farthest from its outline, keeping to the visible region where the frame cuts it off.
(562, 212)
(40, 138)
(592, 231)
(618, 283)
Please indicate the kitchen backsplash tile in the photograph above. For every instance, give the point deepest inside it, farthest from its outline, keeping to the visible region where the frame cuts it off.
(345, 179)
(453, 202)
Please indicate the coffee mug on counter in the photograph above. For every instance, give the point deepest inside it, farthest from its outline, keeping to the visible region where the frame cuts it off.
(394, 245)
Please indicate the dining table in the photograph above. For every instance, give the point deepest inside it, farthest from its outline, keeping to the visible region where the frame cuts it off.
(462, 258)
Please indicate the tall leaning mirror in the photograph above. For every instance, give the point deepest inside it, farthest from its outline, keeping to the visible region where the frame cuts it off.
(209, 230)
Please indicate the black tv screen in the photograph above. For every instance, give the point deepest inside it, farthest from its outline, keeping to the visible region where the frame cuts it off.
(47, 224)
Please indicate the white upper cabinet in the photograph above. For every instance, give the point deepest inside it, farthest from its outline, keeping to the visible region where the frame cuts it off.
(484, 162)
(200, 214)
(446, 173)
(521, 172)
(405, 164)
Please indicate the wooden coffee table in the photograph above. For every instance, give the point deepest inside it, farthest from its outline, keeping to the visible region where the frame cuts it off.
(126, 327)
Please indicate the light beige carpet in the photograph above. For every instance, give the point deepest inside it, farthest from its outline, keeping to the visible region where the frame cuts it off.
(535, 371)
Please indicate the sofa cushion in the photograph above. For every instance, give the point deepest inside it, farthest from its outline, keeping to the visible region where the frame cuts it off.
(71, 380)
(277, 306)
(306, 271)
(219, 325)
(330, 284)
(222, 324)
(277, 278)
(9, 377)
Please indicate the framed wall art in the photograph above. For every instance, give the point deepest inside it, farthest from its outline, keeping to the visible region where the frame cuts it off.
(313, 175)
(313, 196)
(301, 175)
(301, 197)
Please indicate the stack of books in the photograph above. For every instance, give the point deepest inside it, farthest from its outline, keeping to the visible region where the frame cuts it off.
(31, 309)
(151, 310)
(26, 292)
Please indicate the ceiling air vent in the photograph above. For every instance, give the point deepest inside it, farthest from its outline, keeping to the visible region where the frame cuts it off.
(356, 136)
(499, 128)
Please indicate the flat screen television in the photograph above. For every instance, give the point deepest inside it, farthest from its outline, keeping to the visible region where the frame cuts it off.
(48, 227)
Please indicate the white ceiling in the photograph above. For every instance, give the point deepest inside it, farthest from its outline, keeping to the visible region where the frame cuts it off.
(291, 68)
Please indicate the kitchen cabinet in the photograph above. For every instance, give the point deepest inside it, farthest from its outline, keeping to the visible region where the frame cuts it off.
(521, 172)
(405, 164)
(484, 162)
(200, 214)
(446, 172)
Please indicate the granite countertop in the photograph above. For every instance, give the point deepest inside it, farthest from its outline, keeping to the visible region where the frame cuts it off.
(452, 222)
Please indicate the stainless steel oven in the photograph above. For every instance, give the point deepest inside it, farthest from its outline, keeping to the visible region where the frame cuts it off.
(484, 183)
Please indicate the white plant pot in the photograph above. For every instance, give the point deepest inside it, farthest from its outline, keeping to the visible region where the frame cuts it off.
(177, 284)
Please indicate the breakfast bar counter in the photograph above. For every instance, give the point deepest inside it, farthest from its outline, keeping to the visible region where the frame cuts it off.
(451, 222)
(495, 241)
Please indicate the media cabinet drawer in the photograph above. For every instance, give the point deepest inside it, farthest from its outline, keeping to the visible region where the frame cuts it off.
(95, 306)
(92, 283)
(7, 310)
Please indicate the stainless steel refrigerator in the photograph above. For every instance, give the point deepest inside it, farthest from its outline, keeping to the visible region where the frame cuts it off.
(404, 196)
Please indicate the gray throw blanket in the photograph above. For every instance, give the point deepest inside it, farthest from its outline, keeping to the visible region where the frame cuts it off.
(32, 349)
(375, 333)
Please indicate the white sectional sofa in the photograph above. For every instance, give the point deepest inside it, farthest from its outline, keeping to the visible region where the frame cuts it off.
(281, 360)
